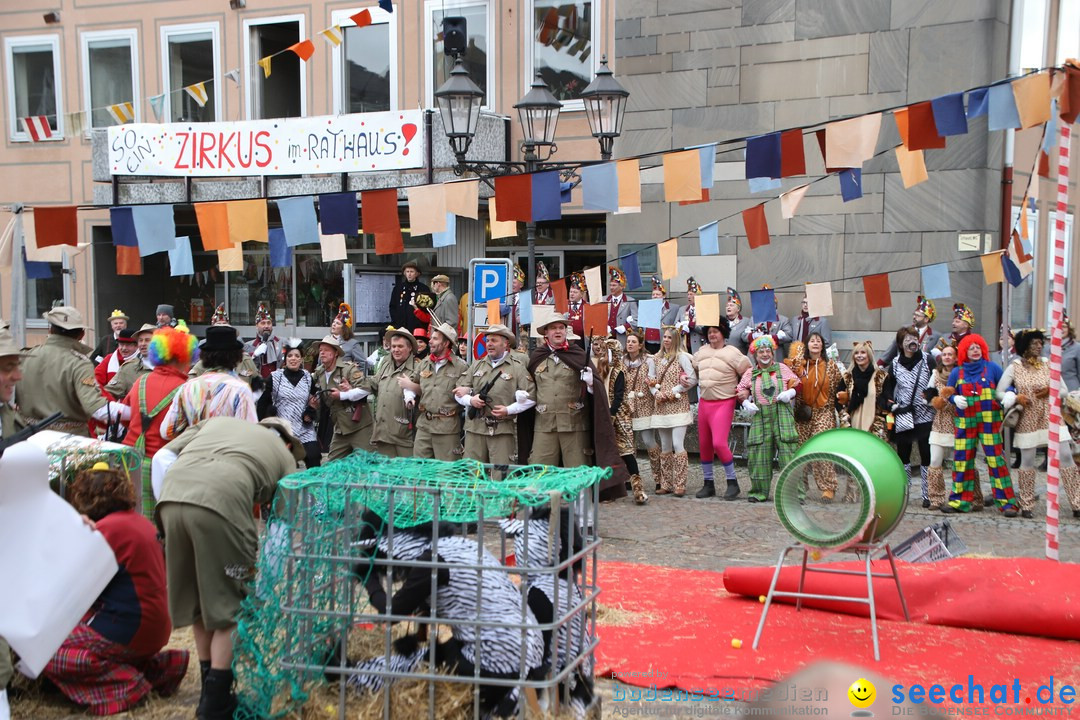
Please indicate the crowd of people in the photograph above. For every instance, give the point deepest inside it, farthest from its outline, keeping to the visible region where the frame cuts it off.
(218, 422)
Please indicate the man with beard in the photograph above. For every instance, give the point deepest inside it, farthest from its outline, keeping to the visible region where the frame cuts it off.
(266, 349)
(344, 425)
(403, 297)
(924, 314)
(438, 420)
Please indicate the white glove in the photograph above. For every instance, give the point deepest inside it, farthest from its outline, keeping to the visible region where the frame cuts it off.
(261, 350)
(640, 394)
(782, 336)
(961, 401)
(520, 396)
(621, 330)
(409, 395)
(749, 407)
(586, 377)
(629, 318)
(935, 352)
(894, 407)
(787, 396)
(685, 326)
(1009, 400)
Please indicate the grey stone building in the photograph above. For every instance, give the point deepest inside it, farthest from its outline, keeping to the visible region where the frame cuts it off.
(702, 71)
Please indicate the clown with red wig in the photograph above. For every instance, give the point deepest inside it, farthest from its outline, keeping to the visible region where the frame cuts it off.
(979, 414)
(171, 352)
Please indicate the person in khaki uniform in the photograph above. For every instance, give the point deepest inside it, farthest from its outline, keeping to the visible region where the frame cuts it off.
(491, 436)
(340, 386)
(446, 306)
(392, 434)
(134, 367)
(223, 466)
(438, 424)
(563, 377)
(57, 376)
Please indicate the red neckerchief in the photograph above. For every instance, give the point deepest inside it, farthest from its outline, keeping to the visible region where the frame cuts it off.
(564, 346)
(441, 358)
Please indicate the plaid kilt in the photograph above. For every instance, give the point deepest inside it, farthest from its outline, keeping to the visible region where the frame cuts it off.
(108, 677)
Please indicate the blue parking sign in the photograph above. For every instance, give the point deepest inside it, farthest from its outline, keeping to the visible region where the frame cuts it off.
(491, 282)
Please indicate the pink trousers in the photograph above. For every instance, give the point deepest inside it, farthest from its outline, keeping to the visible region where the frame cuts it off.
(714, 426)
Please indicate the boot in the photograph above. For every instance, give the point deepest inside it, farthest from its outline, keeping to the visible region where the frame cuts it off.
(667, 466)
(732, 491)
(1025, 487)
(639, 489)
(219, 701)
(204, 668)
(707, 490)
(923, 474)
(654, 462)
(1070, 480)
(935, 486)
(680, 467)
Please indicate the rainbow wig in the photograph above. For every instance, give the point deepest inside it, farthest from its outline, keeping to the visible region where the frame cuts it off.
(173, 345)
(763, 341)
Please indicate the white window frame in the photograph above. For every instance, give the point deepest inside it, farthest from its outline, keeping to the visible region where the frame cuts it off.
(250, 68)
(378, 17)
(15, 131)
(528, 42)
(167, 32)
(430, 6)
(85, 38)
(39, 322)
(1068, 15)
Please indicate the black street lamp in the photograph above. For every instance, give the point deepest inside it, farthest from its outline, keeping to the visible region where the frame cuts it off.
(605, 104)
(459, 101)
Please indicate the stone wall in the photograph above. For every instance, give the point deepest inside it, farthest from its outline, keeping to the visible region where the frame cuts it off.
(704, 71)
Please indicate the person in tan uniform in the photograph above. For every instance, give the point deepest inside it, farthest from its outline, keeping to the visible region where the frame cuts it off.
(502, 378)
(339, 384)
(134, 367)
(57, 376)
(563, 377)
(392, 433)
(438, 422)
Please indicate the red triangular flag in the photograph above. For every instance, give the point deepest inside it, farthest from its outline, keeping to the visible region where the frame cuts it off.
(1044, 164)
(56, 226)
(379, 211)
(594, 320)
(757, 228)
(389, 242)
(128, 261)
(917, 127)
(704, 198)
(1070, 99)
(304, 49)
(792, 154)
(513, 198)
(558, 291)
(362, 18)
(876, 289)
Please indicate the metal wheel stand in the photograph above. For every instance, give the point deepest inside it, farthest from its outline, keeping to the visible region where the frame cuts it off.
(869, 550)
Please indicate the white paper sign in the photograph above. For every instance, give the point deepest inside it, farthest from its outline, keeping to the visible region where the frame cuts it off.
(360, 142)
(54, 567)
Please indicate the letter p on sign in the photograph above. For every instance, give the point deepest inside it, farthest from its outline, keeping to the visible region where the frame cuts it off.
(490, 282)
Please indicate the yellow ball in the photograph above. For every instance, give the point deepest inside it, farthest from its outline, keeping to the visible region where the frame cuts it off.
(862, 693)
(761, 599)
(736, 643)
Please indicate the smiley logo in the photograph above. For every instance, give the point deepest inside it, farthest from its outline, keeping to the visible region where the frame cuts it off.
(862, 694)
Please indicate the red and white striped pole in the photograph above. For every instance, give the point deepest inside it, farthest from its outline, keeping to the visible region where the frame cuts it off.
(1053, 473)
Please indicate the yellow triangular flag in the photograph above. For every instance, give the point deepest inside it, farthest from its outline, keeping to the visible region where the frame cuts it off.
(669, 258)
(628, 173)
(507, 228)
(198, 93)
(264, 63)
(332, 35)
(122, 112)
(912, 166)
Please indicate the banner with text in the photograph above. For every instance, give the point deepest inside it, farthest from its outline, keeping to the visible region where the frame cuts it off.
(363, 142)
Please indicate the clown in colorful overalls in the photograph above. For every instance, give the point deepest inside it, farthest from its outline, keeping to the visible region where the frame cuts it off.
(978, 421)
(767, 391)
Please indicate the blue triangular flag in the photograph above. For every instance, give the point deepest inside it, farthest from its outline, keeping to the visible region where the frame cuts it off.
(157, 104)
(566, 192)
(155, 228)
(298, 221)
(649, 313)
(708, 242)
(935, 281)
(1003, 112)
(1012, 273)
(600, 187)
(629, 265)
(387, 5)
(978, 103)
(123, 227)
(546, 191)
(180, 262)
(36, 270)
(708, 163)
(280, 252)
(761, 184)
(1050, 135)
(763, 156)
(525, 313)
(949, 114)
(447, 237)
(763, 305)
(851, 184)
(339, 214)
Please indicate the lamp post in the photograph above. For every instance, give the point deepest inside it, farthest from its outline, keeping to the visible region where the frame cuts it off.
(459, 100)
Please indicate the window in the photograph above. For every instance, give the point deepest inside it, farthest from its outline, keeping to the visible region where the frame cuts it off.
(475, 59)
(110, 75)
(1033, 35)
(189, 57)
(365, 66)
(563, 36)
(44, 293)
(33, 84)
(1068, 42)
(283, 93)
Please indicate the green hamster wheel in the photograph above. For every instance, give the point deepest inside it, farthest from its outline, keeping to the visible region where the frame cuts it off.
(870, 481)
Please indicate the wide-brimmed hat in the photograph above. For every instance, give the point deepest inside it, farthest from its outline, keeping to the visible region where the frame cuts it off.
(446, 331)
(334, 343)
(118, 315)
(555, 318)
(8, 346)
(221, 337)
(284, 429)
(65, 317)
(403, 333)
(146, 327)
(502, 330)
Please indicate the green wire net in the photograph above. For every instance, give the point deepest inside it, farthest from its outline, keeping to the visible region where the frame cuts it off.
(306, 591)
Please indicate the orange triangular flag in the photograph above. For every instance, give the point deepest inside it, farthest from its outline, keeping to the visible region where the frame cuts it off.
(682, 176)
(629, 175)
(303, 49)
(1032, 95)
(669, 258)
(757, 228)
(128, 261)
(993, 272)
(362, 18)
(558, 292)
(595, 319)
(876, 290)
(213, 219)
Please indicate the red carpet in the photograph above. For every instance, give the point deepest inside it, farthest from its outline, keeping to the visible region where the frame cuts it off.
(682, 623)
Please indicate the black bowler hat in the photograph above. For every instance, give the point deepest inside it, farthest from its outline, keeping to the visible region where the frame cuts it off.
(221, 337)
(127, 335)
